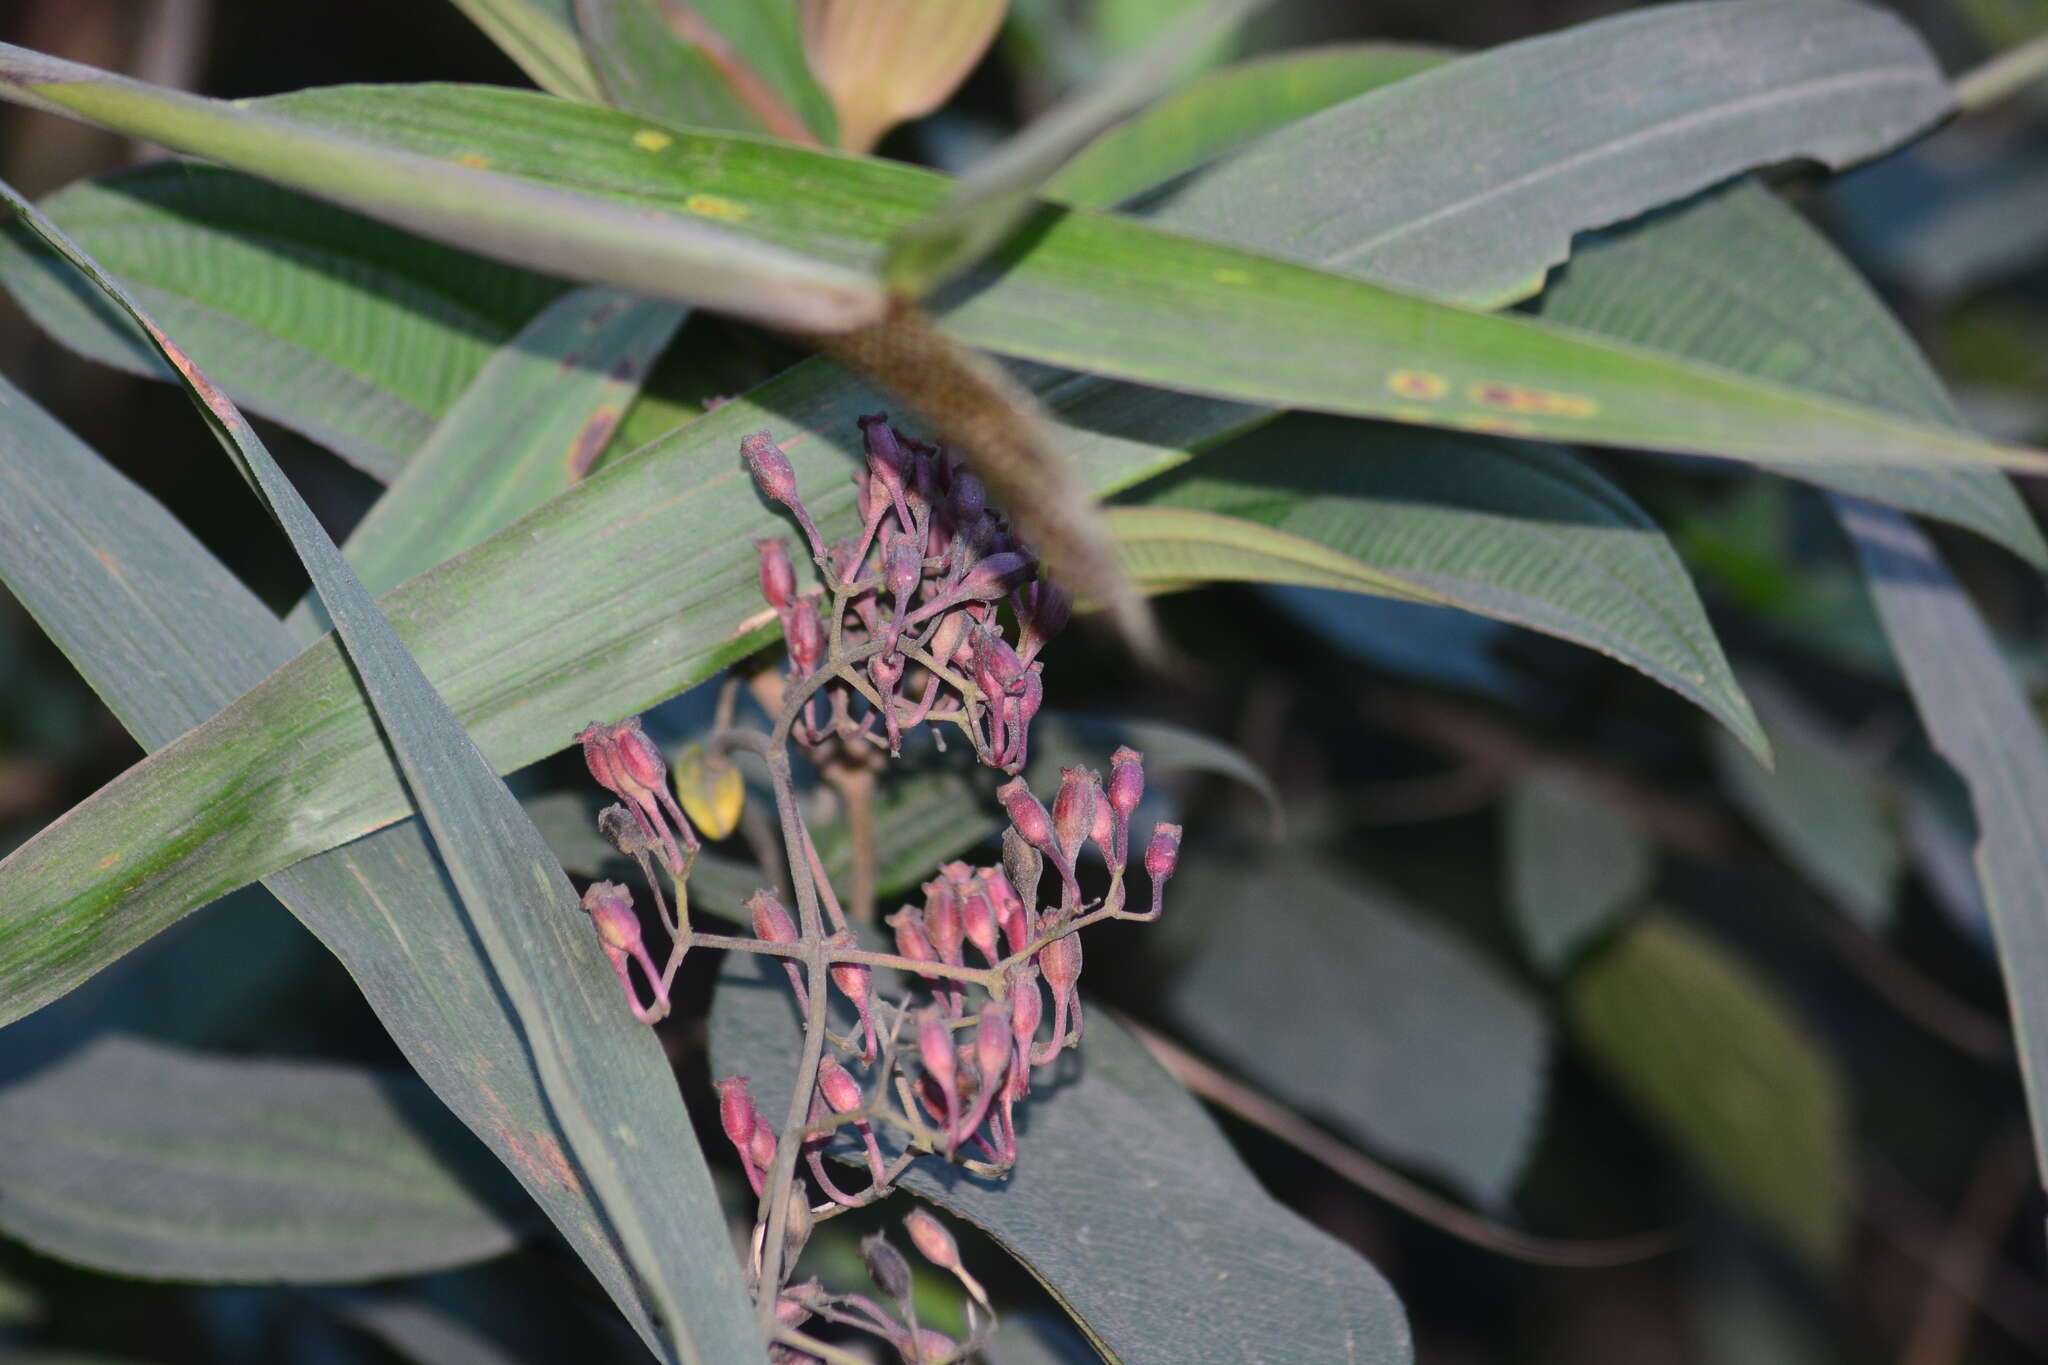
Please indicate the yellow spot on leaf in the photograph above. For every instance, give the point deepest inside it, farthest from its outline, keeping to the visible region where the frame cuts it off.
(1536, 402)
(473, 161)
(716, 206)
(651, 140)
(1408, 413)
(1499, 426)
(1230, 276)
(1418, 384)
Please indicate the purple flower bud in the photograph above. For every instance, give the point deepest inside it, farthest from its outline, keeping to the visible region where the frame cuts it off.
(1073, 810)
(903, 570)
(888, 1269)
(1026, 814)
(770, 467)
(1044, 616)
(1162, 856)
(966, 500)
(992, 577)
(806, 635)
(778, 575)
(886, 456)
(1126, 780)
(839, 1088)
(772, 923)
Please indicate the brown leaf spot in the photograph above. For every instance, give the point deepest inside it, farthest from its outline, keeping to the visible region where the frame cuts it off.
(591, 439)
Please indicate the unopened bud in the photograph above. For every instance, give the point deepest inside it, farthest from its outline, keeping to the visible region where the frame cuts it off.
(838, 1086)
(1027, 814)
(761, 1146)
(886, 456)
(623, 832)
(993, 576)
(1126, 780)
(778, 575)
(1060, 960)
(935, 1049)
(1044, 616)
(610, 907)
(639, 758)
(979, 922)
(886, 1266)
(992, 1045)
(771, 922)
(736, 1111)
(932, 1240)
(903, 570)
(933, 1346)
(942, 919)
(1023, 865)
(1162, 855)
(805, 633)
(770, 467)
(911, 940)
(1027, 1008)
(1009, 906)
(1073, 810)
(597, 755)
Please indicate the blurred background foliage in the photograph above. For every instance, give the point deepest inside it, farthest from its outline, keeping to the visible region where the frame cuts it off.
(1533, 941)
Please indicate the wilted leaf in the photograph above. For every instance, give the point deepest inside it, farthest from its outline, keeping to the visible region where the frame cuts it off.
(855, 48)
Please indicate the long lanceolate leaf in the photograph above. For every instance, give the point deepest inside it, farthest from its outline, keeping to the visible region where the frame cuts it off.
(605, 1079)
(463, 200)
(1091, 292)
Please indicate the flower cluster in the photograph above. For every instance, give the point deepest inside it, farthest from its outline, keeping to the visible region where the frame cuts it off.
(913, 601)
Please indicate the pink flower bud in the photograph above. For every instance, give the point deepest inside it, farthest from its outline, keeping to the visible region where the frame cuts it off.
(932, 1240)
(761, 1145)
(1026, 814)
(610, 907)
(838, 1086)
(1126, 780)
(1162, 856)
(933, 1345)
(778, 575)
(770, 467)
(639, 758)
(935, 1050)
(992, 1046)
(978, 921)
(1060, 960)
(736, 1112)
(911, 940)
(805, 632)
(1009, 906)
(1073, 810)
(1027, 1009)
(853, 980)
(597, 755)
(771, 922)
(942, 920)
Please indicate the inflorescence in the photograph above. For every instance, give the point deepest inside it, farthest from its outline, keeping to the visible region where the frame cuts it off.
(904, 631)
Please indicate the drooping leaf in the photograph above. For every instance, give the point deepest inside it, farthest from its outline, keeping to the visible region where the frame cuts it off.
(538, 34)
(463, 199)
(854, 48)
(1711, 1056)
(1574, 864)
(1324, 992)
(145, 1160)
(1092, 292)
(167, 637)
(998, 193)
(1224, 111)
(1979, 719)
(1740, 279)
(606, 1079)
(707, 64)
(537, 416)
(353, 333)
(1520, 532)
(1126, 1203)
(1568, 131)
(1818, 806)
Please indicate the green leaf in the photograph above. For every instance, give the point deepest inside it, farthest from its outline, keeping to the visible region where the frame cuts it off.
(459, 199)
(537, 416)
(1328, 994)
(167, 637)
(998, 193)
(417, 1330)
(353, 333)
(1126, 1203)
(707, 64)
(1223, 111)
(1818, 806)
(145, 1160)
(1710, 1055)
(1568, 131)
(1520, 532)
(539, 36)
(1979, 719)
(604, 1077)
(1091, 293)
(1740, 279)
(1574, 864)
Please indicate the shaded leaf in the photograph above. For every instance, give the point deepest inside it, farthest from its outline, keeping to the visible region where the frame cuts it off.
(418, 1331)
(167, 636)
(145, 1160)
(993, 198)
(604, 1078)
(1979, 719)
(1326, 993)
(853, 47)
(1126, 1203)
(530, 425)
(706, 64)
(1519, 532)
(1225, 110)
(1569, 131)
(539, 36)
(353, 333)
(1711, 1056)
(1574, 864)
(1818, 806)
(460, 199)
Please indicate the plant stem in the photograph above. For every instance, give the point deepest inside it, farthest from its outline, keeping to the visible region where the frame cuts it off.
(2006, 74)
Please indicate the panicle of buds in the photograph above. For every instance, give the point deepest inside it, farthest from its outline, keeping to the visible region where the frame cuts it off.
(628, 764)
(911, 595)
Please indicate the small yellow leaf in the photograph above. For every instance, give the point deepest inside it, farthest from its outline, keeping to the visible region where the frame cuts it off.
(857, 50)
(712, 793)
